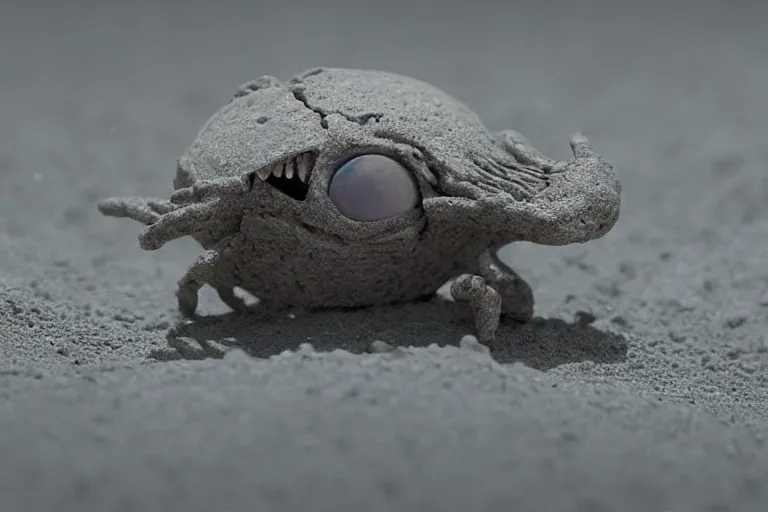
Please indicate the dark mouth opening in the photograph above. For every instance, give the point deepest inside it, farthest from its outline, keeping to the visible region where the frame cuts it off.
(291, 176)
(292, 187)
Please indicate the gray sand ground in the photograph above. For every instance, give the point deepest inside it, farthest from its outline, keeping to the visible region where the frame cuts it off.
(642, 386)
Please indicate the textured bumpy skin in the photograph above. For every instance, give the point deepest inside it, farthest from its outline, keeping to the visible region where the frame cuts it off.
(291, 246)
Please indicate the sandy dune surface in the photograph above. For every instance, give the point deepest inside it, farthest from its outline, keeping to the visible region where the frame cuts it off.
(642, 385)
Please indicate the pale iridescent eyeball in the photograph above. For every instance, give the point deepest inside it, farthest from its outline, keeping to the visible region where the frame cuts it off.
(373, 187)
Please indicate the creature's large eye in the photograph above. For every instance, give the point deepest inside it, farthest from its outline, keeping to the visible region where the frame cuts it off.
(373, 187)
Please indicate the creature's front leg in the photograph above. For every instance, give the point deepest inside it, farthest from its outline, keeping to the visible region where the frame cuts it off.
(206, 269)
(141, 209)
(495, 290)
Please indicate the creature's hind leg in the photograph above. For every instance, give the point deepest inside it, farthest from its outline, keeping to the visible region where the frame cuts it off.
(206, 269)
(516, 294)
(494, 290)
(484, 300)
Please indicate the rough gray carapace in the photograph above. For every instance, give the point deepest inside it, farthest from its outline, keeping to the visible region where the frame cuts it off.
(343, 188)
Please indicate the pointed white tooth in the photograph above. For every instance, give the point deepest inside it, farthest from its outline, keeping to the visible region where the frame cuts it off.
(303, 166)
(277, 170)
(264, 172)
(289, 168)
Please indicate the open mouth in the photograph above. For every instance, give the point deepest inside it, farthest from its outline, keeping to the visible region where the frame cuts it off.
(291, 177)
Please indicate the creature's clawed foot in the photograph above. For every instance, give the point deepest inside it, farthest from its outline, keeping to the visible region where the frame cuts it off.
(484, 301)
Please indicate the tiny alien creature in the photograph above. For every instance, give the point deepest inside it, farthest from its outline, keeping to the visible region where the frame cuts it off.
(347, 188)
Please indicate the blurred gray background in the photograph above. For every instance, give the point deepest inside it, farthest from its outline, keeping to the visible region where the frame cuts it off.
(102, 97)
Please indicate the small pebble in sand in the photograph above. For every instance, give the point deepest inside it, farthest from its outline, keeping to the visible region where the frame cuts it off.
(585, 317)
(736, 322)
(676, 337)
(306, 348)
(381, 347)
(470, 342)
(236, 354)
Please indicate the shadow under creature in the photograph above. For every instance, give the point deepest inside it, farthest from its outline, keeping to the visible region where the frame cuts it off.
(541, 344)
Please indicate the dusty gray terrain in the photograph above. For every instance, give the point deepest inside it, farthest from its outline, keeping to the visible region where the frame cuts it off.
(642, 385)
